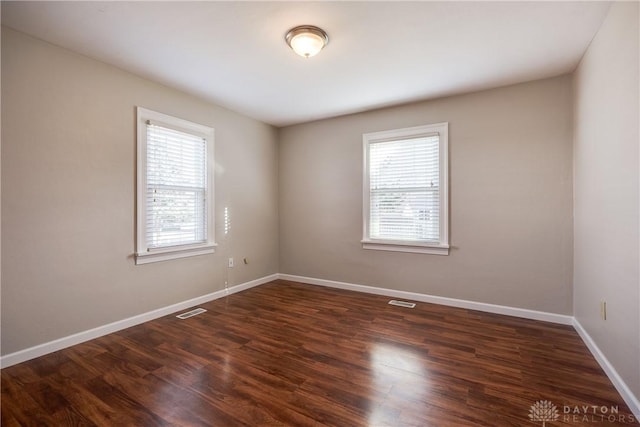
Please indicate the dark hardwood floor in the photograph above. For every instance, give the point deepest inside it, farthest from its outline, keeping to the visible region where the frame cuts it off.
(289, 354)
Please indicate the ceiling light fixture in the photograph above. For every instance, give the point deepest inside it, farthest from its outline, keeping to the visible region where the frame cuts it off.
(306, 40)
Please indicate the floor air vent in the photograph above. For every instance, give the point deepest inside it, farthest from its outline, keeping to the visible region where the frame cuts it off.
(191, 313)
(402, 303)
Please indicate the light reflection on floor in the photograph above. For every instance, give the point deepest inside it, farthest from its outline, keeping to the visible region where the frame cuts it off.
(227, 369)
(398, 375)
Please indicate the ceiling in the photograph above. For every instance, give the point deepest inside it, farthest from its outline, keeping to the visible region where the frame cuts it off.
(379, 53)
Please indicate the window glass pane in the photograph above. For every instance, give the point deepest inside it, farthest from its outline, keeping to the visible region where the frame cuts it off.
(405, 215)
(407, 163)
(175, 217)
(404, 189)
(176, 188)
(175, 158)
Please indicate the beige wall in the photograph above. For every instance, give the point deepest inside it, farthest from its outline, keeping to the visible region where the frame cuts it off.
(68, 156)
(606, 191)
(510, 191)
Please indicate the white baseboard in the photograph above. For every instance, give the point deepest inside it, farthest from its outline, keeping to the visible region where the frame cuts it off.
(452, 302)
(630, 399)
(80, 337)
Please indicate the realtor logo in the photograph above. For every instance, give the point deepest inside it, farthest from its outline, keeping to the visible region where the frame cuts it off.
(545, 411)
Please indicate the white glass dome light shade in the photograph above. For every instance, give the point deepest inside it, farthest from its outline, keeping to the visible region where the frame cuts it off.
(306, 40)
(307, 44)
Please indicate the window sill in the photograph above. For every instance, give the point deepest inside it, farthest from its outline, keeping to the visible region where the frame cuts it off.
(400, 246)
(174, 253)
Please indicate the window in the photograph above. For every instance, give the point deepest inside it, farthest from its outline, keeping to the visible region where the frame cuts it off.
(405, 200)
(174, 188)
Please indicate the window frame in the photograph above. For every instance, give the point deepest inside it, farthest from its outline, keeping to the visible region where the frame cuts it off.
(440, 247)
(144, 254)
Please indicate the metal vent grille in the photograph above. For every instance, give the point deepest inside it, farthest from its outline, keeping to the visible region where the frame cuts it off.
(402, 303)
(191, 313)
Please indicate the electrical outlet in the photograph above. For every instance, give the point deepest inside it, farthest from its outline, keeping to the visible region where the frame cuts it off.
(603, 310)
(230, 262)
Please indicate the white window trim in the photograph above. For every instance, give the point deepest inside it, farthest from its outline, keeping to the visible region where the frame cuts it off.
(440, 247)
(144, 254)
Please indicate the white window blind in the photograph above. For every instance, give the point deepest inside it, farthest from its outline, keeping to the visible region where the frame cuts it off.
(176, 200)
(404, 189)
